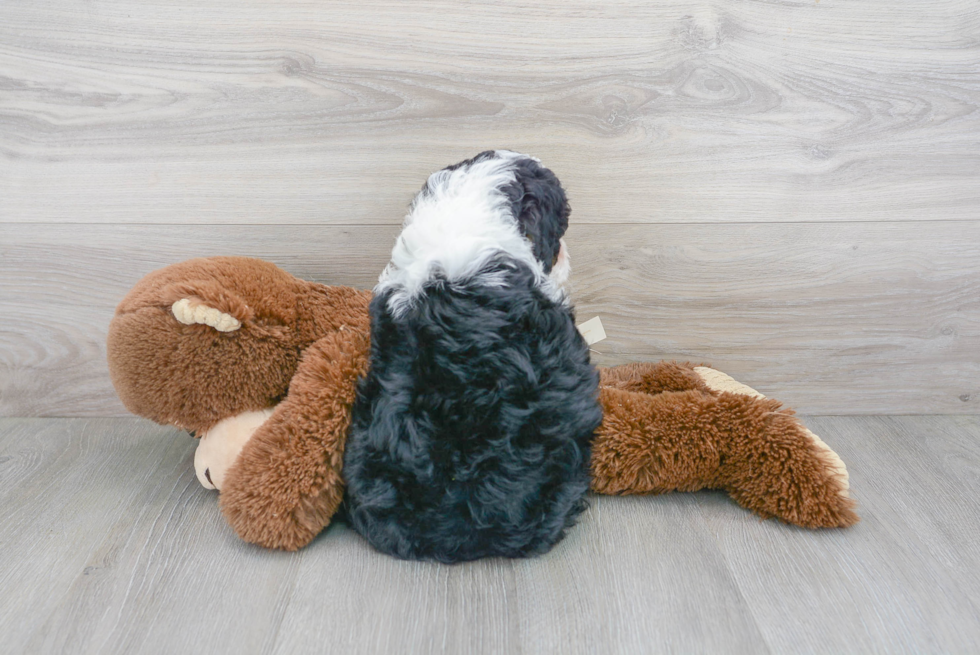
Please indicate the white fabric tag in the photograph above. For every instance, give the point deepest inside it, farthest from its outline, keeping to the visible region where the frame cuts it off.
(592, 331)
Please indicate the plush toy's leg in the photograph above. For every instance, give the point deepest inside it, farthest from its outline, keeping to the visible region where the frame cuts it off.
(684, 441)
(719, 382)
(646, 377)
(286, 484)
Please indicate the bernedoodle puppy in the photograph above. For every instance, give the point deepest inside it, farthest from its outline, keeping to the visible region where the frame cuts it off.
(471, 432)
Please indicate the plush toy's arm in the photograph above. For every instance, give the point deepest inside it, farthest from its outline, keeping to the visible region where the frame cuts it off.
(286, 484)
(720, 435)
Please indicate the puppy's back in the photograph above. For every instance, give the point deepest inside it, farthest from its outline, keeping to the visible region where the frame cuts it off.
(471, 432)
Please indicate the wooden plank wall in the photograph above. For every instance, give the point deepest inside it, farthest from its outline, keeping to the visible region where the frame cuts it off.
(788, 190)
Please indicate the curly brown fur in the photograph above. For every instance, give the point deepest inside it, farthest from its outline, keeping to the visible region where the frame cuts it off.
(286, 484)
(697, 439)
(192, 376)
(652, 378)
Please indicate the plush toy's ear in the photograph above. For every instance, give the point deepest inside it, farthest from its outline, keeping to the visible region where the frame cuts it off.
(206, 302)
(194, 311)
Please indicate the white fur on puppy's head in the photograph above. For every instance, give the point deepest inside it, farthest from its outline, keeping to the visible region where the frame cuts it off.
(461, 219)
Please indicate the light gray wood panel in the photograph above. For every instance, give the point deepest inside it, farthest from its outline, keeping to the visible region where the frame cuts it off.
(294, 112)
(904, 580)
(63, 485)
(621, 582)
(53, 361)
(170, 575)
(938, 460)
(111, 547)
(638, 574)
(350, 598)
(96, 265)
(829, 318)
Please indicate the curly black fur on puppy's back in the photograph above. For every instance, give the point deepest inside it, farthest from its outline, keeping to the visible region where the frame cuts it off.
(471, 432)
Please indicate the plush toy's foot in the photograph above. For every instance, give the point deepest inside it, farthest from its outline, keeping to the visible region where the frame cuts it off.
(724, 437)
(722, 382)
(785, 471)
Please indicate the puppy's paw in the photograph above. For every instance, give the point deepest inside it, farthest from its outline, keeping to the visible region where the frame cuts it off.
(220, 446)
(191, 312)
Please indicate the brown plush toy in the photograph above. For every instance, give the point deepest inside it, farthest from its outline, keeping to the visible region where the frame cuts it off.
(263, 368)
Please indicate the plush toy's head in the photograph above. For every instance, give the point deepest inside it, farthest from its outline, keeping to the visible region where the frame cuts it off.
(205, 339)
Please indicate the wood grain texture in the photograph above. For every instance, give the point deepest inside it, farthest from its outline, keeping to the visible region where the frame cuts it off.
(159, 560)
(295, 112)
(110, 546)
(829, 318)
(350, 599)
(634, 577)
(905, 579)
(63, 486)
(599, 591)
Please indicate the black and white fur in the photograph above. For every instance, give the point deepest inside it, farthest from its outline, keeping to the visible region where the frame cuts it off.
(470, 434)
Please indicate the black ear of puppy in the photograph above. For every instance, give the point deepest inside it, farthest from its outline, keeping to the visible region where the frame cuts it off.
(541, 208)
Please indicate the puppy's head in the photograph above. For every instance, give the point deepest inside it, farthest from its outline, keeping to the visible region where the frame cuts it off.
(534, 199)
(468, 213)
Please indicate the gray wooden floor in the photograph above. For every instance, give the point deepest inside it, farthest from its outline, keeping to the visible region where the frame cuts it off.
(109, 545)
